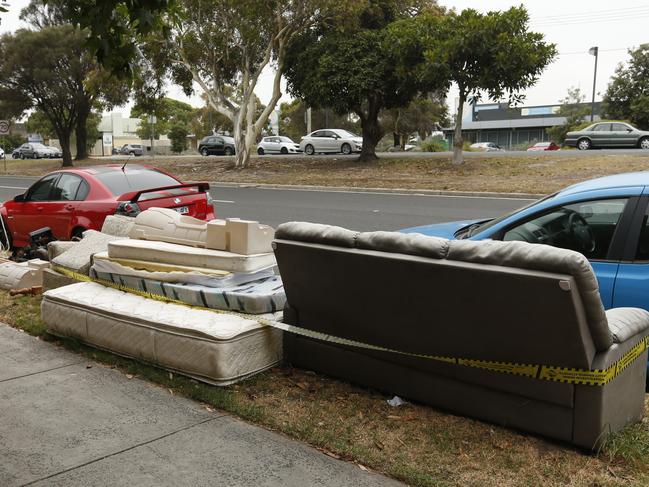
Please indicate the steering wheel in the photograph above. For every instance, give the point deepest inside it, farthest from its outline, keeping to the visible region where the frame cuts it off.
(580, 231)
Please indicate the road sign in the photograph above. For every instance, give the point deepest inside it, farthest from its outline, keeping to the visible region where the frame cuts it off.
(108, 139)
(4, 127)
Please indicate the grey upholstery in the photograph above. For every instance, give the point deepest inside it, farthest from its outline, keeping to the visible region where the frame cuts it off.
(625, 323)
(543, 257)
(517, 303)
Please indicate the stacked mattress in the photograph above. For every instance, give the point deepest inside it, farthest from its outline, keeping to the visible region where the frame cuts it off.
(195, 307)
(214, 347)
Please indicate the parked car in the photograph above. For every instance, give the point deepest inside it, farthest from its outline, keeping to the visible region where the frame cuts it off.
(2, 153)
(486, 147)
(55, 152)
(71, 201)
(277, 145)
(131, 150)
(608, 134)
(15, 154)
(543, 146)
(606, 219)
(217, 145)
(331, 140)
(33, 150)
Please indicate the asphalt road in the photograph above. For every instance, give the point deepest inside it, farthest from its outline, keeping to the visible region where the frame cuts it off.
(355, 210)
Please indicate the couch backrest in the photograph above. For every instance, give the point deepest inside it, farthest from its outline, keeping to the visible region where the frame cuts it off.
(399, 291)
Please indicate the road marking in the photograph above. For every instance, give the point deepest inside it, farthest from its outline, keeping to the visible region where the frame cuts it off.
(223, 201)
(11, 187)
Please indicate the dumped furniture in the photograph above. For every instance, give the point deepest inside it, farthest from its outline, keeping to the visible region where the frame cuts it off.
(213, 347)
(21, 275)
(77, 257)
(244, 237)
(449, 317)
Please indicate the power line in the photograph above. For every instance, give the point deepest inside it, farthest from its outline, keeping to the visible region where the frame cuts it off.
(592, 20)
(586, 51)
(592, 14)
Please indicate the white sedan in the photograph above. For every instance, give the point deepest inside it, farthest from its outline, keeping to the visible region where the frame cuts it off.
(277, 145)
(331, 140)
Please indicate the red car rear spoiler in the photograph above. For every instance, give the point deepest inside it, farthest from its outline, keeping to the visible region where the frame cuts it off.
(134, 196)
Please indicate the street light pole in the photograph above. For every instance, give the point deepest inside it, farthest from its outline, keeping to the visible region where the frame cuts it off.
(593, 51)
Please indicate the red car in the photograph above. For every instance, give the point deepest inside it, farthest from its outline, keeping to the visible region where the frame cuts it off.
(71, 201)
(541, 146)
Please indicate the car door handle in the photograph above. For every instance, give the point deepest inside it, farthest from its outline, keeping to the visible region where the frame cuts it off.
(39, 208)
(69, 207)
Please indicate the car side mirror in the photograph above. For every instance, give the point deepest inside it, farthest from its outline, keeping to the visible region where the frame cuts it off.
(629, 130)
(19, 198)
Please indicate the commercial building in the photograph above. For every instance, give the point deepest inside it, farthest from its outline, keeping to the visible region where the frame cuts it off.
(507, 126)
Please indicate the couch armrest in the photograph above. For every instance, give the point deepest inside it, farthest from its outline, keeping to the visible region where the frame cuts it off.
(625, 323)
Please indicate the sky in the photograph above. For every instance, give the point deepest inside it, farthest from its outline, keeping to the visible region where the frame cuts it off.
(574, 26)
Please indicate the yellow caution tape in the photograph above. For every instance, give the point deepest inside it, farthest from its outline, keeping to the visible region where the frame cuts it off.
(568, 375)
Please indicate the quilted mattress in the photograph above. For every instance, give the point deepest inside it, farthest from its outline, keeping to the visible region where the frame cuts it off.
(182, 255)
(217, 348)
(265, 295)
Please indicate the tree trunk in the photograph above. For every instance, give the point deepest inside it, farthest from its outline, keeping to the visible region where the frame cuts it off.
(65, 148)
(458, 142)
(81, 132)
(404, 139)
(372, 132)
(396, 138)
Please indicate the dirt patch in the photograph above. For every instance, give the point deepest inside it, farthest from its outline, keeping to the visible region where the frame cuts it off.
(420, 445)
(531, 174)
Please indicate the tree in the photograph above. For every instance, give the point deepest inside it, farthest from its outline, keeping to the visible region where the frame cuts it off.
(423, 116)
(10, 142)
(367, 64)
(574, 110)
(217, 44)
(492, 53)
(97, 89)
(44, 70)
(38, 123)
(167, 112)
(627, 95)
(178, 135)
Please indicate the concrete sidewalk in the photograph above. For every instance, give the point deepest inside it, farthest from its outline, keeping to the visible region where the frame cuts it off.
(62, 423)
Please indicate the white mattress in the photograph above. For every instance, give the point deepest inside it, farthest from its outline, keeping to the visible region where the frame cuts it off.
(214, 347)
(174, 254)
(102, 263)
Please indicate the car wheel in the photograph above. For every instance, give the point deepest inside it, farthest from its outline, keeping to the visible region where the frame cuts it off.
(228, 151)
(284, 150)
(584, 144)
(205, 152)
(309, 150)
(77, 233)
(131, 153)
(22, 156)
(644, 143)
(260, 151)
(346, 149)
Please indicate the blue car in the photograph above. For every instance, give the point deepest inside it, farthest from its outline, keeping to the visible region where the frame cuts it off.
(606, 219)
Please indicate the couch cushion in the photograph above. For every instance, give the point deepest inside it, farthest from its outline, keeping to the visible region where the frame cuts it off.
(546, 258)
(625, 323)
(317, 233)
(410, 243)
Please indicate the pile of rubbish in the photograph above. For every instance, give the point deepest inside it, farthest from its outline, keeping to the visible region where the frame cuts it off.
(187, 295)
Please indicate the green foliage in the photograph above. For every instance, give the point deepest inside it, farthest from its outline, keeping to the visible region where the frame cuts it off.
(10, 142)
(435, 144)
(92, 129)
(422, 116)
(364, 65)
(575, 113)
(167, 112)
(178, 136)
(627, 95)
(492, 53)
(39, 123)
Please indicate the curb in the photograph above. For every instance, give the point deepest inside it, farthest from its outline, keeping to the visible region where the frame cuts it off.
(352, 189)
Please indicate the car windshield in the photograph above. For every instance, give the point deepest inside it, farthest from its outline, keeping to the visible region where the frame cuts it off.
(136, 146)
(482, 226)
(120, 182)
(286, 139)
(346, 133)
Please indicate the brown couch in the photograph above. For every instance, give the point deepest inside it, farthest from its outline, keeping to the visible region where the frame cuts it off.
(497, 301)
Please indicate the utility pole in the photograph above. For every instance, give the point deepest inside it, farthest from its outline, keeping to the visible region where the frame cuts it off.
(593, 51)
(152, 121)
(308, 120)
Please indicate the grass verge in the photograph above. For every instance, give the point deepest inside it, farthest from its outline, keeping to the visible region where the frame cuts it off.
(416, 444)
(543, 173)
